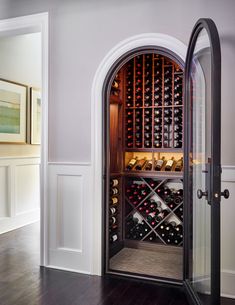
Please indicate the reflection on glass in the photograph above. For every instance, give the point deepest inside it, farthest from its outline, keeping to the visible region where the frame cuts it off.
(200, 73)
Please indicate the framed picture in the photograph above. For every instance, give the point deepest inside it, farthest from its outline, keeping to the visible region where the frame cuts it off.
(35, 106)
(13, 103)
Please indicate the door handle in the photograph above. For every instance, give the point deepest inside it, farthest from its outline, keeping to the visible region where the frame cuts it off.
(225, 193)
(200, 194)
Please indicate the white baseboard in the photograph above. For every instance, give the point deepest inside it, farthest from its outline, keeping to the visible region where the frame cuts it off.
(228, 284)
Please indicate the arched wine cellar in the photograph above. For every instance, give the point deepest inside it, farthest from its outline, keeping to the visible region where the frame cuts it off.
(143, 162)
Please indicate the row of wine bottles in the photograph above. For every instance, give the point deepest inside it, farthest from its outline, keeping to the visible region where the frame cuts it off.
(162, 164)
(114, 210)
(154, 127)
(152, 82)
(168, 231)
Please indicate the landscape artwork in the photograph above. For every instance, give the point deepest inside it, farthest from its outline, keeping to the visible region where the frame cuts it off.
(12, 112)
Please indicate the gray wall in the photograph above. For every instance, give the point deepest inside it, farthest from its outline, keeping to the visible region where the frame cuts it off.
(83, 31)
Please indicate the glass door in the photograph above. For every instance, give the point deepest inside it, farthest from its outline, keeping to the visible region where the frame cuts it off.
(202, 165)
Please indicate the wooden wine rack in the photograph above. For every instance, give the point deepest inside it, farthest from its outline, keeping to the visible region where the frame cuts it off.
(143, 118)
(131, 110)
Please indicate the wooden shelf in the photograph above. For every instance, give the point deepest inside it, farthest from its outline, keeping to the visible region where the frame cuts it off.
(154, 174)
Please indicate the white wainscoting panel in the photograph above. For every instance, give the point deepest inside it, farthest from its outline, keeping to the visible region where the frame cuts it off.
(27, 192)
(70, 212)
(227, 233)
(20, 192)
(4, 198)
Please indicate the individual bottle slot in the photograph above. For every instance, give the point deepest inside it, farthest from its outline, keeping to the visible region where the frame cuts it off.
(157, 99)
(158, 136)
(152, 237)
(179, 212)
(178, 196)
(137, 192)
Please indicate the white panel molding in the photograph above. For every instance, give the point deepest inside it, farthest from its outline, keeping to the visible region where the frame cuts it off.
(142, 40)
(228, 173)
(228, 283)
(16, 219)
(227, 227)
(70, 232)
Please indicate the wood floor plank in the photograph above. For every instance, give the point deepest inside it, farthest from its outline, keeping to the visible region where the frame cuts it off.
(23, 282)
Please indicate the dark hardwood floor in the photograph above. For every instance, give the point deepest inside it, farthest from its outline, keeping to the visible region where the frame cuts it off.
(23, 282)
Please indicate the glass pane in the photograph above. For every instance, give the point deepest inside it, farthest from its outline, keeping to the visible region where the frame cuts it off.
(200, 73)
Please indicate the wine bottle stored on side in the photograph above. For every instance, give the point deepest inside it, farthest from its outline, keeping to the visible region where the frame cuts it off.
(169, 164)
(179, 165)
(159, 164)
(131, 163)
(140, 164)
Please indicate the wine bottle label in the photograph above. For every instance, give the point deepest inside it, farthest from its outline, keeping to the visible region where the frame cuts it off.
(169, 163)
(115, 182)
(114, 220)
(113, 210)
(115, 191)
(114, 200)
(114, 237)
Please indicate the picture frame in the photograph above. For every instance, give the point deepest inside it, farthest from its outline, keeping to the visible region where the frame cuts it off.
(35, 116)
(13, 112)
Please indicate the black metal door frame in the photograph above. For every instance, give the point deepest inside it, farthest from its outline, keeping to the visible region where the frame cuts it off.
(215, 183)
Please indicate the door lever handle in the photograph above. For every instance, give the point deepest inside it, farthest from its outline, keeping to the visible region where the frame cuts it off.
(225, 193)
(200, 194)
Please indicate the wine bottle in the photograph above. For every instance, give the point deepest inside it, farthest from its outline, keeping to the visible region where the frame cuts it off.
(169, 164)
(113, 182)
(113, 238)
(159, 164)
(140, 164)
(179, 165)
(112, 220)
(112, 210)
(131, 163)
(113, 200)
(148, 166)
(113, 191)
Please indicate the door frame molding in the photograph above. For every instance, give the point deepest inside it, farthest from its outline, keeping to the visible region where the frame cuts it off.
(118, 51)
(26, 25)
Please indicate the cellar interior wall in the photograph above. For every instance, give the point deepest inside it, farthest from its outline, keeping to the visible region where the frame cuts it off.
(82, 32)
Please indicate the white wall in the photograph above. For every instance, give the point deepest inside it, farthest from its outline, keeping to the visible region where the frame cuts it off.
(82, 32)
(20, 61)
